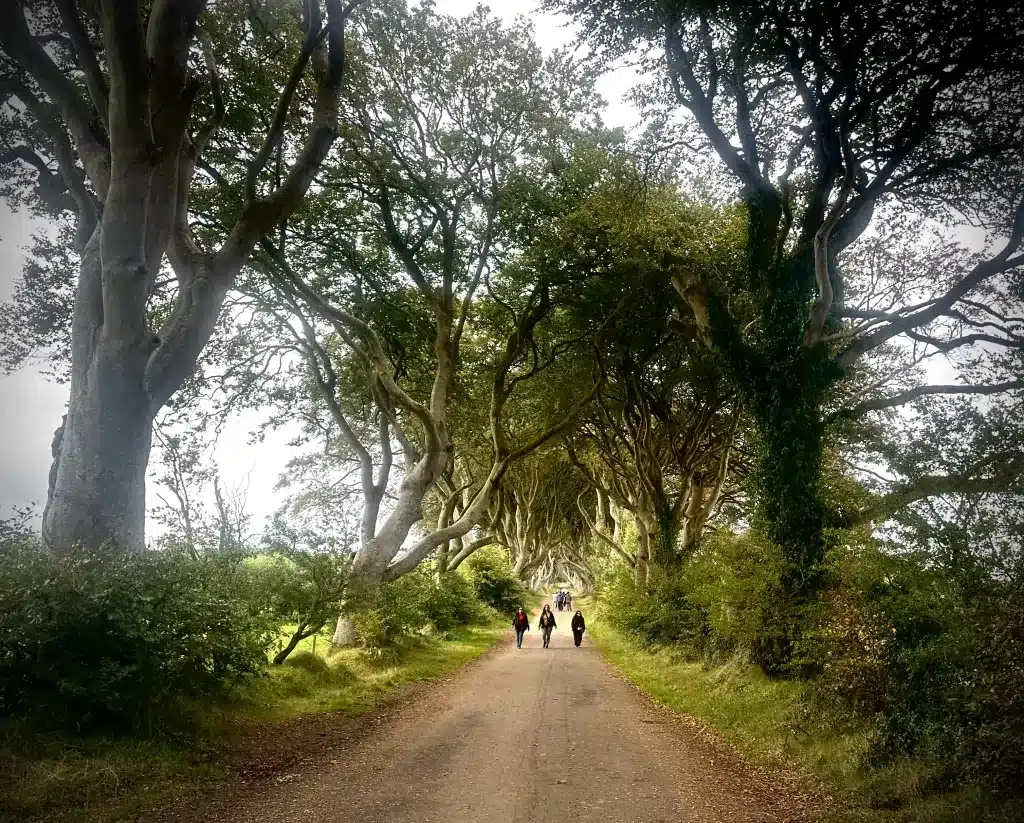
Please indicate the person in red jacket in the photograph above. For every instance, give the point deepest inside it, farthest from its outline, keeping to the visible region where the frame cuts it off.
(521, 623)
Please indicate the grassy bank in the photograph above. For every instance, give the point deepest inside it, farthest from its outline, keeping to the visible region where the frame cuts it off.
(99, 780)
(766, 721)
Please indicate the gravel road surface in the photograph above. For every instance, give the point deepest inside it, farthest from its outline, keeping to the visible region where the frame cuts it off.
(520, 736)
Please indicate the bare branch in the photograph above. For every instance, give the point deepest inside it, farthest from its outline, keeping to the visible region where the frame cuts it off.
(903, 398)
(82, 122)
(1001, 262)
(95, 82)
(1002, 480)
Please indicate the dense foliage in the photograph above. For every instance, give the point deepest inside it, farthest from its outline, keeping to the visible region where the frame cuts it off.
(494, 583)
(99, 642)
(927, 657)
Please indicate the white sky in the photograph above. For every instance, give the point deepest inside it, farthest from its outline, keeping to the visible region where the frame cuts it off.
(31, 407)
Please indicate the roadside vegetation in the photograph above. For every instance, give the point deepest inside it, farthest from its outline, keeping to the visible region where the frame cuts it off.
(904, 705)
(132, 695)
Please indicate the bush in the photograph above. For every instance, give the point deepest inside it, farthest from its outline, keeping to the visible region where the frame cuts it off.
(926, 659)
(413, 604)
(493, 582)
(735, 581)
(659, 613)
(450, 603)
(117, 640)
(397, 616)
(304, 587)
(726, 600)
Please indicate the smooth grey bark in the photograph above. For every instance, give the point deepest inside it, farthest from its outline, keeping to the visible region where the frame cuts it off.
(138, 156)
(344, 632)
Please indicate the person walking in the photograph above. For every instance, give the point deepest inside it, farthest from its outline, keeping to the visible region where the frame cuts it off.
(579, 626)
(547, 623)
(568, 602)
(521, 623)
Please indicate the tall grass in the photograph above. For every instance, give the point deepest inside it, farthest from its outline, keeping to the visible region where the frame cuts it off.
(766, 721)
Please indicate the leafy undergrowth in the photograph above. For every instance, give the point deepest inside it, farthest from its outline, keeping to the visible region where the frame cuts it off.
(101, 780)
(765, 719)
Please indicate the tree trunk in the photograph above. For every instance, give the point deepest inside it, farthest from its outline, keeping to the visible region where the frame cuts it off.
(97, 495)
(790, 509)
(299, 635)
(664, 553)
(344, 632)
(641, 567)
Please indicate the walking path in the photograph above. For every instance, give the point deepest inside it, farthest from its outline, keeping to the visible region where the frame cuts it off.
(522, 736)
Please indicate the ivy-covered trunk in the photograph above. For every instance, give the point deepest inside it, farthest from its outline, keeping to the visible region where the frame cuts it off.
(784, 382)
(664, 549)
(789, 509)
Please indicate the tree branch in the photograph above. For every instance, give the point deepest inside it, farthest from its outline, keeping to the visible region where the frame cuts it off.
(95, 82)
(87, 133)
(1002, 262)
(903, 398)
(1002, 480)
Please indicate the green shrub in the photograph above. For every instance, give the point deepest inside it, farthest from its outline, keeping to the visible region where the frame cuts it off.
(493, 582)
(449, 603)
(931, 657)
(735, 581)
(397, 617)
(659, 613)
(726, 600)
(118, 640)
(304, 587)
(413, 604)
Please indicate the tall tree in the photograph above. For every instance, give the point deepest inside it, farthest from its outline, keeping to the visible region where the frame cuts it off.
(108, 94)
(821, 114)
(413, 265)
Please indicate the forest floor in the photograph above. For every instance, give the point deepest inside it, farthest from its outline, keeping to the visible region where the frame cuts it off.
(516, 736)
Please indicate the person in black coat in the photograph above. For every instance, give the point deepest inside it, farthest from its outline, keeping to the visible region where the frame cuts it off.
(521, 623)
(546, 623)
(578, 627)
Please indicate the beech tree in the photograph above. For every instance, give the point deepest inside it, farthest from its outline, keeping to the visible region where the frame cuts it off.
(821, 116)
(414, 272)
(107, 103)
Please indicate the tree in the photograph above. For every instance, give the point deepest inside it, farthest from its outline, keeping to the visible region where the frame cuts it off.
(822, 115)
(126, 154)
(449, 127)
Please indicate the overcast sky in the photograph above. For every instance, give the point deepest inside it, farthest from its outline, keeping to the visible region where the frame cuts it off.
(31, 407)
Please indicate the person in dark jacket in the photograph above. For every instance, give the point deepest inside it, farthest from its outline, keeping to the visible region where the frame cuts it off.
(521, 623)
(547, 623)
(578, 627)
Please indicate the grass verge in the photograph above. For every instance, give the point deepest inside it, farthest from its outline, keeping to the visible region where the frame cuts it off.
(765, 720)
(101, 780)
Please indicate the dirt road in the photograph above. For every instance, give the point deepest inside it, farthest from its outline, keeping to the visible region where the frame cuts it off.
(522, 736)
